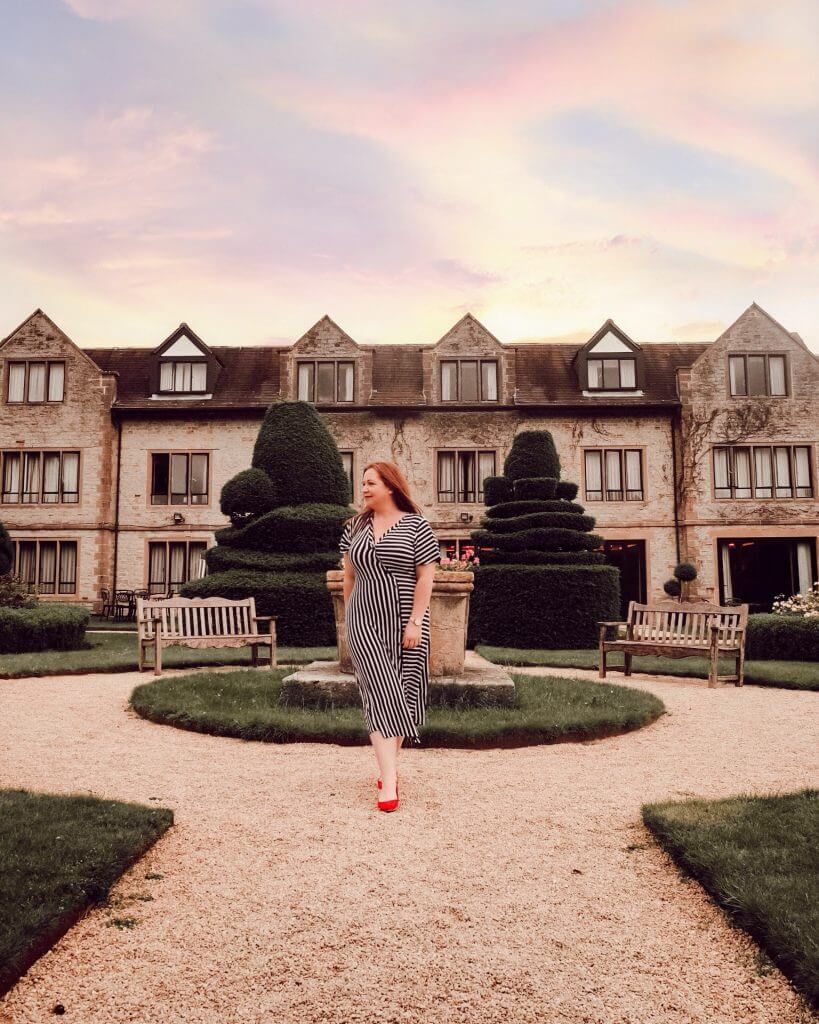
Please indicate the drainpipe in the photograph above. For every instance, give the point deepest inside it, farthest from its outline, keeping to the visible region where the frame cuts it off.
(674, 488)
(116, 505)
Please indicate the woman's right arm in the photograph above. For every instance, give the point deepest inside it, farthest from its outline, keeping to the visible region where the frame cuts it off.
(349, 579)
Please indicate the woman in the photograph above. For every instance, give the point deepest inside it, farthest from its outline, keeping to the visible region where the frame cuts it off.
(390, 554)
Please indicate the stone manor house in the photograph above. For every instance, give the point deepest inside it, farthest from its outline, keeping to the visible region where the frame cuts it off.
(112, 459)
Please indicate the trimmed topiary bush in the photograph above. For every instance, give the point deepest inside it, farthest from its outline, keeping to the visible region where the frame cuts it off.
(45, 627)
(248, 494)
(497, 489)
(541, 582)
(782, 638)
(287, 512)
(673, 588)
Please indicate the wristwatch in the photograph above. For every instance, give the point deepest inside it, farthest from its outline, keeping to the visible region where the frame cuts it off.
(417, 622)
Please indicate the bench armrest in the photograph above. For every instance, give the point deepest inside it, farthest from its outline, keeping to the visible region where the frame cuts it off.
(265, 618)
(612, 623)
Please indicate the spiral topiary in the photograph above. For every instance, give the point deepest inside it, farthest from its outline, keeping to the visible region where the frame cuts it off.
(541, 582)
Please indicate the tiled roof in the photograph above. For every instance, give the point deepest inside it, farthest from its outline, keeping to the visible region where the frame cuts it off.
(249, 377)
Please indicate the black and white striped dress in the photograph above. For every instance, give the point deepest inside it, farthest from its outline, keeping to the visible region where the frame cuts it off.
(392, 680)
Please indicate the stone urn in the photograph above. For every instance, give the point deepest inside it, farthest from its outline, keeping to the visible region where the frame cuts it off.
(448, 619)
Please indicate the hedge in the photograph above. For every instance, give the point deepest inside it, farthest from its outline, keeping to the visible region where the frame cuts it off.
(566, 489)
(533, 454)
(782, 638)
(301, 600)
(543, 558)
(564, 520)
(497, 489)
(530, 487)
(221, 558)
(510, 509)
(563, 605)
(545, 538)
(291, 528)
(248, 494)
(46, 627)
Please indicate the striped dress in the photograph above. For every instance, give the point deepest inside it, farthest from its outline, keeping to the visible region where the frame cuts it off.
(392, 680)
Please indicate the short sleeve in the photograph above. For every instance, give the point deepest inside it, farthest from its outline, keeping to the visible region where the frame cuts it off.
(344, 543)
(426, 548)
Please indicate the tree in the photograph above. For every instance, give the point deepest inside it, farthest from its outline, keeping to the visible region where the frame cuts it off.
(542, 581)
(287, 513)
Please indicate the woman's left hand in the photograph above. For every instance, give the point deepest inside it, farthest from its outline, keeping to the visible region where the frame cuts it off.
(412, 635)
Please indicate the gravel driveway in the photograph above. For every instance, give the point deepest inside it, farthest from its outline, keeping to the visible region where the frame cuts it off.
(512, 885)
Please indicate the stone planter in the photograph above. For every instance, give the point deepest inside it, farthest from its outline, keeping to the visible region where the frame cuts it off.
(448, 618)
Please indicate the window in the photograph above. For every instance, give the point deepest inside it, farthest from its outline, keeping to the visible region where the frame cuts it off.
(47, 566)
(180, 375)
(34, 478)
(613, 474)
(179, 478)
(614, 373)
(751, 375)
(457, 549)
(469, 380)
(325, 382)
(35, 381)
(763, 471)
(461, 475)
(172, 563)
(347, 462)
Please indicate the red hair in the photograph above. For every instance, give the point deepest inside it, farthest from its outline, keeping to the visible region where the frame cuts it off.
(395, 480)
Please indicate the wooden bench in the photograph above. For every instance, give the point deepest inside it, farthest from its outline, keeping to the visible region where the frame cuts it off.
(675, 630)
(201, 622)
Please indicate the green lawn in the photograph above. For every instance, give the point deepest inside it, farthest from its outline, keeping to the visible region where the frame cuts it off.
(789, 675)
(248, 705)
(59, 855)
(757, 857)
(118, 653)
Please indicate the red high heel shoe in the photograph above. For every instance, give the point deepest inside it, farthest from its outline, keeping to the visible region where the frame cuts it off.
(389, 805)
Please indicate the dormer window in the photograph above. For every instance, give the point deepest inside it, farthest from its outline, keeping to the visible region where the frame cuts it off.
(612, 374)
(753, 375)
(469, 380)
(325, 382)
(179, 375)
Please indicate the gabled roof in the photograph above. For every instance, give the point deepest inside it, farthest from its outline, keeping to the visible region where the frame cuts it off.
(39, 314)
(609, 327)
(471, 324)
(183, 331)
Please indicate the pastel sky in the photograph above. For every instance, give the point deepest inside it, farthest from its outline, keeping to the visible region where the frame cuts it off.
(249, 165)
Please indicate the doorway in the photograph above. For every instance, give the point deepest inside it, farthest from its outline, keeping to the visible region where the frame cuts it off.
(756, 570)
(630, 558)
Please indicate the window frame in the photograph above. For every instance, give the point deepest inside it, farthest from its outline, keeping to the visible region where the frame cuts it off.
(624, 491)
(166, 542)
(34, 588)
(774, 486)
(41, 453)
(313, 388)
(189, 453)
(476, 483)
(767, 356)
(619, 358)
(174, 362)
(46, 385)
(480, 361)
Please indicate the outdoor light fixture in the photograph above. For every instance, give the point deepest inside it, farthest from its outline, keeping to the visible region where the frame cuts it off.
(178, 518)
(466, 517)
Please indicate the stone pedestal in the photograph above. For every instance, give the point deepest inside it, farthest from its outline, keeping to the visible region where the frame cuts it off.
(448, 618)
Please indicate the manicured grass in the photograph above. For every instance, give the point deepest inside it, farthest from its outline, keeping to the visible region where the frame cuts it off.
(114, 653)
(100, 622)
(757, 857)
(789, 675)
(59, 855)
(248, 705)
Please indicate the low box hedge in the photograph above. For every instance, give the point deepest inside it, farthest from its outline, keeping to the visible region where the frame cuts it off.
(782, 638)
(45, 627)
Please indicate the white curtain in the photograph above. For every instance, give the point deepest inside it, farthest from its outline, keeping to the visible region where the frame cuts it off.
(594, 476)
(197, 568)
(802, 466)
(48, 566)
(782, 458)
(31, 477)
(178, 576)
(628, 378)
(199, 376)
(742, 472)
(11, 477)
(776, 369)
(486, 467)
(803, 566)
(36, 382)
(179, 479)
(446, 476)
(56, 381)
(17, 382)
(727, 582)
(595, 368)
(614, 481)
(27, 562)
(182, 377)
(199, 479)
(466, 461)
(166, 376)
(68, 567)
(71, 476)
(305, 382)
(634, 476)
(345, 382)
(722, 478)
(51, 477)
(763, 482)
(489, 371)
(737, 371)
(449, 382)
(157, 577)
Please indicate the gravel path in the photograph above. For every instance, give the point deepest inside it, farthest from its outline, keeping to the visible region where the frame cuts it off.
(510, 886)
